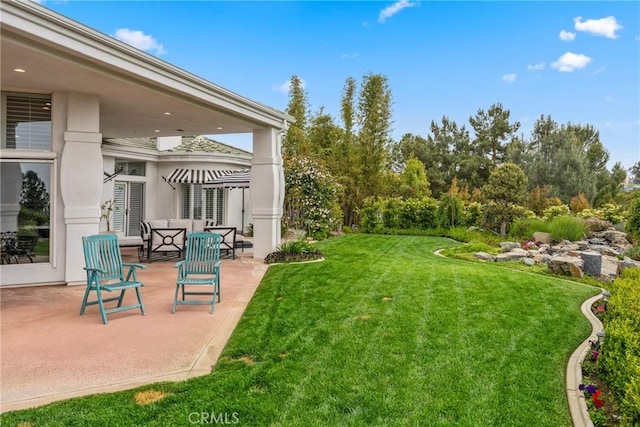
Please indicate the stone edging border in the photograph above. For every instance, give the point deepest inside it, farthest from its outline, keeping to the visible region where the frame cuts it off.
(575, 398)
(297, 262)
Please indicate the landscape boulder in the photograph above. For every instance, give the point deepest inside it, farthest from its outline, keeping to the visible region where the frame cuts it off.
(507, 246)
(542, 237)
(483, 256)
(566, 265)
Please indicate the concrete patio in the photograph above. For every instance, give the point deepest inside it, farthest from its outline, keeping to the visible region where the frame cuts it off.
(49, 352)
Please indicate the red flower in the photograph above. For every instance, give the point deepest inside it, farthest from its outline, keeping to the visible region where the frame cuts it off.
(599, 403)
(600, 309)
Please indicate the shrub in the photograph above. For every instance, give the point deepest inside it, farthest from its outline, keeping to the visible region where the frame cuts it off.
(451, 212)
(371, 216)
(394, 213)
(311, 198)
(567, 227)
(619, 361)
(391, 213)
(555, 211)
(579, 203)
(615, 214)
(633, 223)
(294, 251)
(296, 247)
(473, 213)
(633, 252)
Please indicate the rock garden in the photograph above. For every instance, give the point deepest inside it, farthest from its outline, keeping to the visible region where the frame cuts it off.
(600, 255)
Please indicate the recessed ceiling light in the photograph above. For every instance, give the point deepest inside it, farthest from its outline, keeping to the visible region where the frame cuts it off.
(19, 70)
(167, 113)
(157, 130)
(219, 128)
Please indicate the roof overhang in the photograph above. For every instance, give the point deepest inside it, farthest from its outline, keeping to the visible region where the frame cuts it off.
(135, 89)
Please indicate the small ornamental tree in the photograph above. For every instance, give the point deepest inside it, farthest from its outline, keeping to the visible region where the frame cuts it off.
(506, 188)
(579, 203)
(312, 197)
(414, 180)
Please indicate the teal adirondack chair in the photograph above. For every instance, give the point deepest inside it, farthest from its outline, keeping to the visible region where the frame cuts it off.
(199, 272)
(105, 273)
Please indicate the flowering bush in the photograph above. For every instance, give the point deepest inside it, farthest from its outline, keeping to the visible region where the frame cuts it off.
(311, 198)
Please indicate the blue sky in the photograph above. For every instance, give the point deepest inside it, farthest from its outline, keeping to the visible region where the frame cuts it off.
(576, 61)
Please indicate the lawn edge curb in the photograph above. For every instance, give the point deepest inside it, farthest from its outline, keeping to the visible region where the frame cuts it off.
(297, 262)
(575, 397)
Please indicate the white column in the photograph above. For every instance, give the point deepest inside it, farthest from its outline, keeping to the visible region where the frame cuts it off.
(266, 191)
(80, 179)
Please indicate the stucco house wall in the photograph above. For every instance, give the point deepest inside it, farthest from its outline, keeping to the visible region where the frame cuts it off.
(102, 89)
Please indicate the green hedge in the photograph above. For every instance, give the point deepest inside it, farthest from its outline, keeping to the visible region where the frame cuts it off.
(619, 362)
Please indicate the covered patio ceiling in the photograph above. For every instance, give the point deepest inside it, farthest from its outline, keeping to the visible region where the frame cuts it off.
(136, 89)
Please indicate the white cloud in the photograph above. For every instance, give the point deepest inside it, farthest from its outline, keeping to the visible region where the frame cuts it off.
(509, 78)
(606, 27)
(286, 85)
(349, 55)
(571, 61)
(140, 40)
(567, 36)
(536, 67)
(391, 10)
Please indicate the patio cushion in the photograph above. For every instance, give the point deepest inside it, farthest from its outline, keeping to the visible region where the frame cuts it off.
(181, 223)
(145, 230)
(158, 223)
(199, 224)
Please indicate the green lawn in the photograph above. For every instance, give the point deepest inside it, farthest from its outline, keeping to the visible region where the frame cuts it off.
(382, 333)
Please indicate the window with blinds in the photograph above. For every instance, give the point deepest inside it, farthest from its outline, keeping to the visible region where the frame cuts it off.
(185, 202)
(197, 202)
(214, 203)
(26, 121)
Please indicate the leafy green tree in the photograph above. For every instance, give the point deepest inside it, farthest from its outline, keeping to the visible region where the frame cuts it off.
(635, 172)
(507, 188)
(414, 183)
(348, 171)
(492, 132)
(451, 210)
(325, 137)
(374, 134)
(295, 141)
(34, 195)
(610, 185)
(570, 159)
